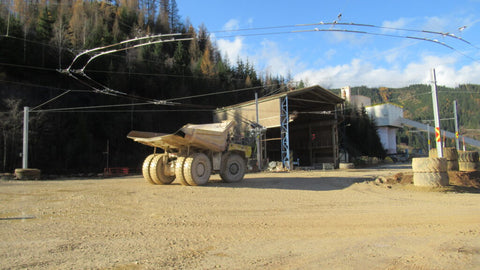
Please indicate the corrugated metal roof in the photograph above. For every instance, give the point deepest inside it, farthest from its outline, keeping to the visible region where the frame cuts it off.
(313, 94)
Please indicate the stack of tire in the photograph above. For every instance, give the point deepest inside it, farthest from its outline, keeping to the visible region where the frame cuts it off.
(451, 154)
(430, 172)
(27, 174)
(468, 161)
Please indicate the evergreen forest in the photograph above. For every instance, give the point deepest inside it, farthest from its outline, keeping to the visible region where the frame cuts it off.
(78, 125)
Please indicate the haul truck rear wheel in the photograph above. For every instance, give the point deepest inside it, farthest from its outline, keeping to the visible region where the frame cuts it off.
(232, 168)
(197, 169)
(146, 169)
(158, 172)
(179, 171)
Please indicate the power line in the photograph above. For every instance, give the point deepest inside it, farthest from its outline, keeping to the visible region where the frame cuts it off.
(94, 107)
(132, 111)
(50, 100)
(46, 87)
(335, 23)
(217, 93)
(358, 32)
(28, 67)
(39, 43)
(444, 34)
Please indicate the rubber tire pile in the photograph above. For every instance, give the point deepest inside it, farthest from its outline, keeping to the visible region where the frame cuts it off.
(468, 161)
(451, 154)
(430, 172)
(27, 174)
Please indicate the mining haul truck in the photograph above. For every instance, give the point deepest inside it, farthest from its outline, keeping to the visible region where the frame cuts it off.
(192, 154)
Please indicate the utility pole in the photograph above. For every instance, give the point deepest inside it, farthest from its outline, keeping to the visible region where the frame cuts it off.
(8, 20)
(108, 154)
(438, 137)
(455, 115)
(258, 135)
(26, 111)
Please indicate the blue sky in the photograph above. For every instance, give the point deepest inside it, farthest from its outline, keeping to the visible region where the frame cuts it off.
(336, 59)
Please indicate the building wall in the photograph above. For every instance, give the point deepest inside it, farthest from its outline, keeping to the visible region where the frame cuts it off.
(386, 114)
(392, 144)
(388, 138)
(360, 101)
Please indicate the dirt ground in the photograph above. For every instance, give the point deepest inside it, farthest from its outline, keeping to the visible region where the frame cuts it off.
(341, 219)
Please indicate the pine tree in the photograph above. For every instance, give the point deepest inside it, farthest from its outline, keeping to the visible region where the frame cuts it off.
(174, 17)
(45, 25)
(78, 25)
(163, 20)
(206, 65)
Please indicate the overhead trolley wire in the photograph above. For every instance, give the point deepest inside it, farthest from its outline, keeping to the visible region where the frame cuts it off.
(138, 39)
(444, 34)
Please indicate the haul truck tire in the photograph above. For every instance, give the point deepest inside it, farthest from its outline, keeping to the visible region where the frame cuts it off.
(430, 172)
(429, 165)
(468, 166)
(434, 179)
(468, 156)
(179, 171)
(197, 169)
(232, 168)
(146, 169)
(157, 170)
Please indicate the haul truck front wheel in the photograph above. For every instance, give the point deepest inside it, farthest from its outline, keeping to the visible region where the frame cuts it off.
(197, 169)
(232, 168)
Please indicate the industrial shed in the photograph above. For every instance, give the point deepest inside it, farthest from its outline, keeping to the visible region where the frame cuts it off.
(301, 125)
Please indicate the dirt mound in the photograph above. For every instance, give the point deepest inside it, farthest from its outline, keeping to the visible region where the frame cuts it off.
(398, 178)
(459, 179)
(465, 179)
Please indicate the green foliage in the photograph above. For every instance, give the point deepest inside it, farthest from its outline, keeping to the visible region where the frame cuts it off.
(360, 136)
(45, 25)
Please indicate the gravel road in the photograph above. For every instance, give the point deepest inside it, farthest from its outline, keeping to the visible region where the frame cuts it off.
(300, 220)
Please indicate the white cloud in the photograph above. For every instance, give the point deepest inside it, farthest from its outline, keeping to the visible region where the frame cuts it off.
(345, 37)
(275, 61)
(330, 53)
(233, 49)
(437, 24)
(400, 23)
(232, 24)
(360, 72)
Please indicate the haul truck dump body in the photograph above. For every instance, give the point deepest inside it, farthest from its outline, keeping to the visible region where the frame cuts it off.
(192, 154)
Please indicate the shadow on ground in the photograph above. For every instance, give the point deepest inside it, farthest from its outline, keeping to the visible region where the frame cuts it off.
(292, 183)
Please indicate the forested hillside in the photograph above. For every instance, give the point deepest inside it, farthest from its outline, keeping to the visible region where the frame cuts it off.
(72, 122)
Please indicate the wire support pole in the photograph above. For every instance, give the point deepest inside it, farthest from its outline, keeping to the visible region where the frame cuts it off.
(455, 115)
(26, 111)
(284, 131)
(436, 115)
(258, 132)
